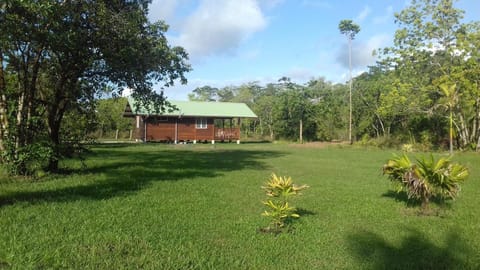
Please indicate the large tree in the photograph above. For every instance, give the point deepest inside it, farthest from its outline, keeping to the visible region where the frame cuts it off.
(434, 50)
(57, 55)
(350, 30)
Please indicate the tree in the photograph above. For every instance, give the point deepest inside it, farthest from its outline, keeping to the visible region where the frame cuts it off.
(433, 48)
(60, 54)
(294, 112)
(204, 93)
(451, 96)
(109, 115)
(328, 108)
(349, 29)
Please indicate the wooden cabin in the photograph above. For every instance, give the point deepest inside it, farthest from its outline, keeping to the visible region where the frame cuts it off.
(192, 121)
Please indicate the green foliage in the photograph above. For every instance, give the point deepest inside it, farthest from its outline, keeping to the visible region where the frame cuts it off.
(443, 176)
(426, 178)
(433, 49)
(30, 160)
(348, 28)
(109, 117)
(280, 189)
(71, 52)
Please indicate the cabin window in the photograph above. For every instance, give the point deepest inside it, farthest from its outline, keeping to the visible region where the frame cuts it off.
(201, 123)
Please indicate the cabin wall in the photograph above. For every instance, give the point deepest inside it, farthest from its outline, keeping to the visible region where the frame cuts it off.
(173, 129)
(159, 129)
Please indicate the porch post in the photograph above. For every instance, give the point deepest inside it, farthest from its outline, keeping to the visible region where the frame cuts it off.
(213, 130)
(231, 127)
(239, 129)
(176, 130)
(145, 129)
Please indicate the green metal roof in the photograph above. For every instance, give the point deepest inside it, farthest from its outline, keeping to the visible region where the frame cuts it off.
(198, 109)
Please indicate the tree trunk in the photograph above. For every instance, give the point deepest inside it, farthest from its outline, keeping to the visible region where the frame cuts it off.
(55, 140)
(450, 131)
(478, 141)
(301, 131)
(462, 131)
(55, 116)
(350, 92)
(3, 109)
(54, 121)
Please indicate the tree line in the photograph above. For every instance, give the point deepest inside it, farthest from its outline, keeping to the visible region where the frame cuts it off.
(424, 89)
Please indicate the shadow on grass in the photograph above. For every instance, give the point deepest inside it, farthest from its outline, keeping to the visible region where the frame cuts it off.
(415, 251)
(403, 197)
(119, 171)
(304, 212)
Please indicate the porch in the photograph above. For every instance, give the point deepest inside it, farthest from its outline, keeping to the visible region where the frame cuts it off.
(227, 134)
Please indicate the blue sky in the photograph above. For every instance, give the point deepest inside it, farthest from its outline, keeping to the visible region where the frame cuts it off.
(231, 42)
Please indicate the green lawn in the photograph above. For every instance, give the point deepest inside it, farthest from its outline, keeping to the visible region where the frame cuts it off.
(198, 207)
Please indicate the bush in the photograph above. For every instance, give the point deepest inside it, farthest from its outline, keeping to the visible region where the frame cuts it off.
(427, 178)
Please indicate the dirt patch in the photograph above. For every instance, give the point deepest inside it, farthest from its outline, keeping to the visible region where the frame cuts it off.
(318, 144)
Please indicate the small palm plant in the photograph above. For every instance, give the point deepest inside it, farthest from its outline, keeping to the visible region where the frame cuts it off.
(426, 179)
(279, 190)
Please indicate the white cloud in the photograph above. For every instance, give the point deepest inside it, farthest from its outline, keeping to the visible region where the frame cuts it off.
(220, 26)
(363, 14)
(362, 52)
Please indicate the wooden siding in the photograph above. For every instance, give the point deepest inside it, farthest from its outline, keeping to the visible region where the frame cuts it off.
(161, 129)
(205, 134)
(183, 129)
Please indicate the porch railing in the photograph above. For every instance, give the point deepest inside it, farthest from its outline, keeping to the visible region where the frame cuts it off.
(227, 134)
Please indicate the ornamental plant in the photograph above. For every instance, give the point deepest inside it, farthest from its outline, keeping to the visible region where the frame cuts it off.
(427, 178)
(279, 190)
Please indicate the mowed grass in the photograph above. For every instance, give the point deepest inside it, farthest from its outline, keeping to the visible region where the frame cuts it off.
(199, 207)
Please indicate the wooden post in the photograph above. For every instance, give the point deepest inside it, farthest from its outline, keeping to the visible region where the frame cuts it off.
(145, 129)
(116, 134)
(239, 128)
(213, 129)
(176, 131)
(301, 131)
(231, 127)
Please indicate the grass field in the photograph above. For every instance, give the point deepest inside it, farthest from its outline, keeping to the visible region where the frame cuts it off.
(198, 207)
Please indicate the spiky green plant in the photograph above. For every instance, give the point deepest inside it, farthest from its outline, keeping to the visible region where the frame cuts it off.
(426, 178)
(279, 190)
(282, 187)
(443, 175)
(279, 212)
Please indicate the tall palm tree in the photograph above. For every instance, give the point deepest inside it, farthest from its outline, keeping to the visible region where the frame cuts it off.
(349, 29)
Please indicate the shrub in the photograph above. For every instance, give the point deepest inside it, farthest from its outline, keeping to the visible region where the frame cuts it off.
(279, 190)
(426, 179)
